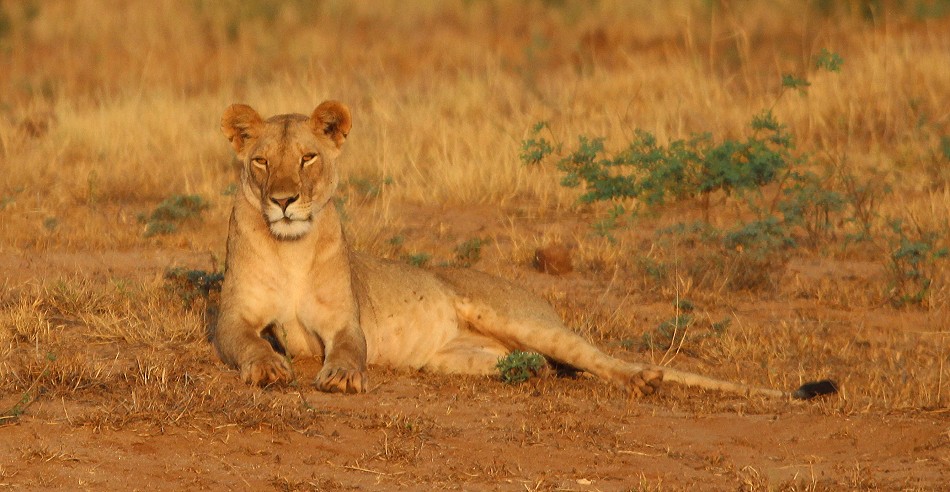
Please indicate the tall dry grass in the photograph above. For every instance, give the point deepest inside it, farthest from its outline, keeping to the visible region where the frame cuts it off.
(443, 93)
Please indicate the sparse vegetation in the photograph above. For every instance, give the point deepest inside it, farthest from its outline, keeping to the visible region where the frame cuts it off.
(469, 252)
(682, 334)
(913, 261)
(417, 259)
(173, 211)
(368, 189)
(782, 203)
(29, 395)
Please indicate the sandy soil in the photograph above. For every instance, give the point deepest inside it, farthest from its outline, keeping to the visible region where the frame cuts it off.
(420, 431)
(416, 432)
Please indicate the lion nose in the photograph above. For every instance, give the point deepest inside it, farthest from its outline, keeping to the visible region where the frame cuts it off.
(284, 202)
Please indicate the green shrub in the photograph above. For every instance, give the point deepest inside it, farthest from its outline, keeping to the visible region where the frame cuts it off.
(689, 169)
(518, 367)
(912, 262)
(417, 259)
(536, 149)
(776, 200)
(469, 252)
(174, 210)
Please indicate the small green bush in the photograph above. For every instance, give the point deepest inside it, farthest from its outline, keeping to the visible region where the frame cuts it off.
(828, 60)
(469, 252)
(688, 169)
(518, 367)
(776, 199)
(169, 214)
(537, 148)
(417, 259)
(912, 262)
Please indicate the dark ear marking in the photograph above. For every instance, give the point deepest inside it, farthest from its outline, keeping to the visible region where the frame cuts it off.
(332, 128)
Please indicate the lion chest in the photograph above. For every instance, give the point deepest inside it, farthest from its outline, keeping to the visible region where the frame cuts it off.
(299, 304)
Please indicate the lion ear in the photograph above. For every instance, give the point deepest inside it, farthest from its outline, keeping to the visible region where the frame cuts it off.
(332, 119)
(240, 123)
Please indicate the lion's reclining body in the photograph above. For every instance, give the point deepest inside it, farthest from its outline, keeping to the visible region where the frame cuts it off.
(290, 273)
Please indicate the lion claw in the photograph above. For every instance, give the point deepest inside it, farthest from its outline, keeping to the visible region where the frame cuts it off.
(266, 370)
(341, 380)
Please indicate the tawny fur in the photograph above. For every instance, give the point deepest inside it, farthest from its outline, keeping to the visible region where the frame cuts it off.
(290, 272)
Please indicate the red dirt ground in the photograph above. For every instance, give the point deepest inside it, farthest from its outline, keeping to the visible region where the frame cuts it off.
(416, 431)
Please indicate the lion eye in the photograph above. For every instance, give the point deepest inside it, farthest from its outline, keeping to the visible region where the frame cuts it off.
(306, 158)
(259, 162)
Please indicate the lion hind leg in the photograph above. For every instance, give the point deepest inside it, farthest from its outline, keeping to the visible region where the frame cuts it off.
(538, 329)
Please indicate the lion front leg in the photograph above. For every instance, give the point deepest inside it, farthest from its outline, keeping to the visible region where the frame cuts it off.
(240, 345)
(344, 366)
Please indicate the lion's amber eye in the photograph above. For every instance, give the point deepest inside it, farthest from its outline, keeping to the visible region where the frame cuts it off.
(307, 158)
(259, 161)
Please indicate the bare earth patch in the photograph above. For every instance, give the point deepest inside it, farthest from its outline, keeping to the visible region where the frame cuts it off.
(176, 418)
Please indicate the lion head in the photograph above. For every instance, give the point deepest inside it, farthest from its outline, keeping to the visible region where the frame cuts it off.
(288, 162)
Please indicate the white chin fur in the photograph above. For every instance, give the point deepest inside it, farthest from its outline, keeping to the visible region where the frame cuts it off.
(293, 225)
(289, 229)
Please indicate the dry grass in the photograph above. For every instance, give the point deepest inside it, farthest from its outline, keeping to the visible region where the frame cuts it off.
(111, 107)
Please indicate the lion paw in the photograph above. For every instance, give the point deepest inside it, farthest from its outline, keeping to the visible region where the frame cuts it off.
(341, 380)
(266, 370)
(645, 382)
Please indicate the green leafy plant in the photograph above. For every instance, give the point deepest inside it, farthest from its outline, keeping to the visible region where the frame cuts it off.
(809, 203)
(605, 227)
(792, 82)
(912, 262)
(469, 252)
(169, 214)
(417, 259)
(537, 148)
(686, 169)
(518, 367)
(828, 60)
(397, 241)
(863, 198)
(761, 173)
(779, 197)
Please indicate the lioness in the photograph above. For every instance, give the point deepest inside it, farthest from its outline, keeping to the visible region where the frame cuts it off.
(291, 277)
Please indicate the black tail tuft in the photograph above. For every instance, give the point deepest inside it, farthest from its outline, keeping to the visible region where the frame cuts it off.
(816, 388)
